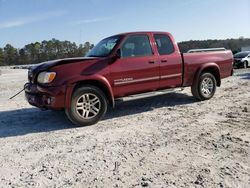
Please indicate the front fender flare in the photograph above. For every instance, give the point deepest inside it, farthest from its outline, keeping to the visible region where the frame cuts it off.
(88, 80)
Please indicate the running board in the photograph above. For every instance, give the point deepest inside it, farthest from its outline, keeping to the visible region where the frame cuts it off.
(148, 94)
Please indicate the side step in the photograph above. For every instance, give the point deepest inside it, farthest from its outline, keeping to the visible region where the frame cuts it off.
(148, 94)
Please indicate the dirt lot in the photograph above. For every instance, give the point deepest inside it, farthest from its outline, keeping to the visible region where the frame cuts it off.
(163, 141)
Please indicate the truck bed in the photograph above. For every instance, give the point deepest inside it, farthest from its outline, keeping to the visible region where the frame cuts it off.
(192, 62)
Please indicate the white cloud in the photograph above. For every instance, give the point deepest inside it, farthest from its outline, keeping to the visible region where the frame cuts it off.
(31, 19)
(94, 20)
(10, 24)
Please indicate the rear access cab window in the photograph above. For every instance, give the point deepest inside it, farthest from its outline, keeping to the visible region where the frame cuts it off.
(164, 44)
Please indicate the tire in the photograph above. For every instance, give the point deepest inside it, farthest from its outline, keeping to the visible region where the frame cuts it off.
(205, 87)
(88, 105)
(245, 64)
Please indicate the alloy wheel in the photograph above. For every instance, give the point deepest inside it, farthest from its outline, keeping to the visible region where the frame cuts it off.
(88, 106)
(207, 87)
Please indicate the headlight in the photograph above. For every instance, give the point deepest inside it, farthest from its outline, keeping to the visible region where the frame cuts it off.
(46, 77)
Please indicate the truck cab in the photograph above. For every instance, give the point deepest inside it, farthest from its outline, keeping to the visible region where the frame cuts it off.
(146, 62)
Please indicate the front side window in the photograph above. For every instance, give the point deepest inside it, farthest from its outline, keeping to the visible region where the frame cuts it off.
(136, 46)
(104, 48)
(164, 44)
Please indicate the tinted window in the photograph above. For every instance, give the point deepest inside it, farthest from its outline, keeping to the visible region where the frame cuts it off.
(164, 44)
(136, 45)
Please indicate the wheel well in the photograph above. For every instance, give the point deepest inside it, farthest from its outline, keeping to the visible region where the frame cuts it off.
(214, 71)
(99, 85)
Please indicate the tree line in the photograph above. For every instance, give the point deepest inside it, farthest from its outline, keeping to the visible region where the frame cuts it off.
(234, 45)
(54, 49)
(42, 51)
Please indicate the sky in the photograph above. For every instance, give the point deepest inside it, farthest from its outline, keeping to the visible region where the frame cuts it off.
(26, 21)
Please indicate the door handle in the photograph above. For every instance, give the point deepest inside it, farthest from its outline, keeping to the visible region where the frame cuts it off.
(152, 62)
(164, 61)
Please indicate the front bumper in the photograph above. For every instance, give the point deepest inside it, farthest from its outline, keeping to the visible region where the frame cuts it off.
(45, 97)
(238, 64)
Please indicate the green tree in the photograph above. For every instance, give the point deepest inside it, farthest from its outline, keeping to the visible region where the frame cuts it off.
(1, 57)
(42, 51)
(85, 48)
(10, 55)
(232, 44)
(23, 57)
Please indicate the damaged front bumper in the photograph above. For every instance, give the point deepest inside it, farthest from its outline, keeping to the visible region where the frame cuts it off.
(45, 97)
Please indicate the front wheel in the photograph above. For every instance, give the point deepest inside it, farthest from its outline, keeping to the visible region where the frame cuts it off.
(88, 106)
(205, 88)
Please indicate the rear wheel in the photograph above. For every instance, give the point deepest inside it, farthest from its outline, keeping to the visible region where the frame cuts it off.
(88, 106)
(205, 88)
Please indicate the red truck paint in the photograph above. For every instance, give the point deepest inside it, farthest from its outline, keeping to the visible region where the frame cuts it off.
(119, 77)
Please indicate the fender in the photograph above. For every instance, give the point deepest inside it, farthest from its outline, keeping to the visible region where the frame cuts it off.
(88, 80)
(210, 67)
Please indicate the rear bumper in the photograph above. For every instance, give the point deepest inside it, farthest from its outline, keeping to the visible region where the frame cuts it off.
(45, 97)
(232, 72)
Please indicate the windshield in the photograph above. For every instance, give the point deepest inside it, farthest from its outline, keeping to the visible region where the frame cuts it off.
(241, 54)
(104, 48)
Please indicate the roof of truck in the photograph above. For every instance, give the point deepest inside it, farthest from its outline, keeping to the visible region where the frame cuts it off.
(142, 32)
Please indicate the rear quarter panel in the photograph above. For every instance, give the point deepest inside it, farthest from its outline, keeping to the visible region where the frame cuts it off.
(194, 62)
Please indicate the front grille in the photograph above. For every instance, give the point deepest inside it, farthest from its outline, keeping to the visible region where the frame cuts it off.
(237, 61)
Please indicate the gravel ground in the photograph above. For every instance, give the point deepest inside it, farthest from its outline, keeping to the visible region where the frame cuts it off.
(164, 141)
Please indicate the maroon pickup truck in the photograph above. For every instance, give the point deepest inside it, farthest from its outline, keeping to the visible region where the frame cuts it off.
(120, 66)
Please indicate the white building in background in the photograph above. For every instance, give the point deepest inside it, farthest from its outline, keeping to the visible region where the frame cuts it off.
(246, 48)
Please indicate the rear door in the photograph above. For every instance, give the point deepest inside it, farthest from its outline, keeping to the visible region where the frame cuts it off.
(170, 61)
(137, 70)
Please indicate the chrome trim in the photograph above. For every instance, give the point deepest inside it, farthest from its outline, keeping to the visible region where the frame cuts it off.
(171, 76)
(131, 80)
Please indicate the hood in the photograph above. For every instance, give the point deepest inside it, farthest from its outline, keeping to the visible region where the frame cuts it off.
(238, 59)
(49, 64)
(35, 69)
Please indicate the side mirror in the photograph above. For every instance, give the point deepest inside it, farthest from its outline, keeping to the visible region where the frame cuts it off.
(118, 54)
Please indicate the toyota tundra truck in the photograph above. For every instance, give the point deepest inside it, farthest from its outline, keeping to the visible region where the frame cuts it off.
(120, 66)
